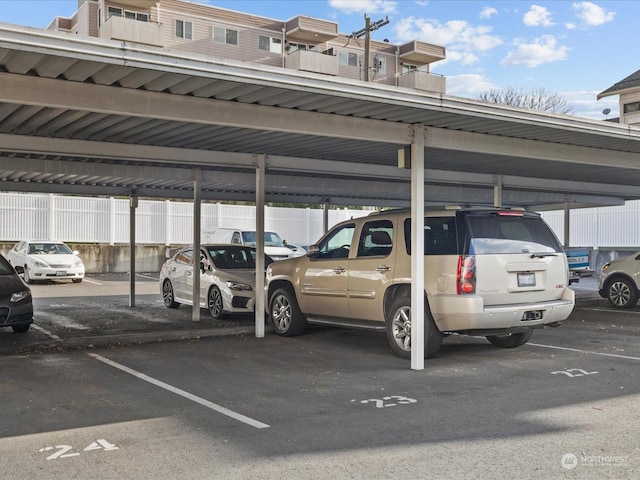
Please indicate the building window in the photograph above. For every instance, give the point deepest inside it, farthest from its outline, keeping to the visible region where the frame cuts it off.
(348, 58)
(114, 12)
(141, 17)
(632, 107)
(407, 68)
(225, 35)
(293, 46)
(184, 29)
(270, 44)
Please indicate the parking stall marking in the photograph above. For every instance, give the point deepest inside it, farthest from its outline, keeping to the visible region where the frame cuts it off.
(92, 281)
(578, 350)
(182, 393)
(46, 332)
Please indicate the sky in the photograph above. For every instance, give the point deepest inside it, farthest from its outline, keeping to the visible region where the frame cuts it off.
(576, 49)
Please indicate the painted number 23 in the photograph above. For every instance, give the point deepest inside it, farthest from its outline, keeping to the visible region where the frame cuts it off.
(66, 451)
(392, 401)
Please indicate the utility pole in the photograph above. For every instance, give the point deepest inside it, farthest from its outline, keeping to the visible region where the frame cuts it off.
(366, 32)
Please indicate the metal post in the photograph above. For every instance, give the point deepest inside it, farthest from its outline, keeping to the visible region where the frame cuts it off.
(133, 204)
(497, 190)
(417, 248)
(260, 293)
(195, 312)
(567, 220)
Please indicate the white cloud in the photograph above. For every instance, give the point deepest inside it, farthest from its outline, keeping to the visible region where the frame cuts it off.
(488, 12)
(537, 16)
(543, 50)
(364, 6)
(461, 39)
(592, 14)
(570, 26)
(422, 3)
(468, 85)
(584, 104)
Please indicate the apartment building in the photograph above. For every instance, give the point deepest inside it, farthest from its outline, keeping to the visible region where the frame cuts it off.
(629, 90)
(300, 43)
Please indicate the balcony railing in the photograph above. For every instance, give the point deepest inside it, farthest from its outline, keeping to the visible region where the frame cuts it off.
(423, 81)
(131, 30)
(311, 61)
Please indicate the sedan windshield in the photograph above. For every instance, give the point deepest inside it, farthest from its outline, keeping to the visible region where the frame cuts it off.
(49, 249)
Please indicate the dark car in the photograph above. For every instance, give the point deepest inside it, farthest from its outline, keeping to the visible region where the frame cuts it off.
(16, 306)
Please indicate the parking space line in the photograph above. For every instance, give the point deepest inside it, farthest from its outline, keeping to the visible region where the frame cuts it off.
(92, 281)
(182, 393)
(614, 355)
(46, 332)
(147, 276)
(596, 309)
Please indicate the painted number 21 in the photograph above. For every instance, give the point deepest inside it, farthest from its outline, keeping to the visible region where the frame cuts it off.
(66, 451)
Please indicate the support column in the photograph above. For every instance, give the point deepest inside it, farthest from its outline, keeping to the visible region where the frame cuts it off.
(260, 294)
(497, 190)
(567, 222)
(417, 248)
(133, 204)
(325, 215)
(197, 177)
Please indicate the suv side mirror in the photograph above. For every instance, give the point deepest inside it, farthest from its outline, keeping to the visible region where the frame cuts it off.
(313, 251)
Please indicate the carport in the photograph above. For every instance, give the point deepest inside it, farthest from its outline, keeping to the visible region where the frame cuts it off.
(89, 116)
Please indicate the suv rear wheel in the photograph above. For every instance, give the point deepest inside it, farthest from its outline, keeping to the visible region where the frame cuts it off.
(511, 340)
(399, 329)
(286, 317)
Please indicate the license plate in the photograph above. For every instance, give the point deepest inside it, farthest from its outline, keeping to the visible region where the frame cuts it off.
(526, 279)
(61, 273)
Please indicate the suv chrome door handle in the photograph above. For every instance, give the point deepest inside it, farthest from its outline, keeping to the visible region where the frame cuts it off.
(339, 270)
(383, 268)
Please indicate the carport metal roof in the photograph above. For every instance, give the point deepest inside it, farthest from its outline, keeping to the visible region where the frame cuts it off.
(91, 116)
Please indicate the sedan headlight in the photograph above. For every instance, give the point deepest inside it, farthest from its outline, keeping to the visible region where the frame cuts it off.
(77, 262)
(18, 296)
(238, 286)
(40, 264)
(605, 267)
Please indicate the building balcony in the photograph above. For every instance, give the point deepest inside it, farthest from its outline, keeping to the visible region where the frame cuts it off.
(131, 30)
(423, 81)
(421, 53)
(310, 61)
(311, 30)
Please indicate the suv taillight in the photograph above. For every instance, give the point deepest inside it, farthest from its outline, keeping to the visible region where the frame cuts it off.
(466, 274)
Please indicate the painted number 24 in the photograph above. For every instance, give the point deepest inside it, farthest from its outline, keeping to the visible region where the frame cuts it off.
(66, 451)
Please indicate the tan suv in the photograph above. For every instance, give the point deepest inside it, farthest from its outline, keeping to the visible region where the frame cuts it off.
(498, 273)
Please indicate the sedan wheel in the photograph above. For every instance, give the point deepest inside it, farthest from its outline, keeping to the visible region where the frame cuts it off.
(622, 293)
(25, 275)
(215, 303)
(22, 328)
(167, 295)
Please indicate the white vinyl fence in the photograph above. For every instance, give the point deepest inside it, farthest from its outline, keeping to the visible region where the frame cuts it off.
(106, 220)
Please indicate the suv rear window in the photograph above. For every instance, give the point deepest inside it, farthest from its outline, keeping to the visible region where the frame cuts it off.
(439, 236)
(492, 232)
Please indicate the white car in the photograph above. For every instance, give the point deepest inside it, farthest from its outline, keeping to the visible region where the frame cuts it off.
(227, 279)
(39, 261)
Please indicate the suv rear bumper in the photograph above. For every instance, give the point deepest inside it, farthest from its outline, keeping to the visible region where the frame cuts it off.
(459, 313)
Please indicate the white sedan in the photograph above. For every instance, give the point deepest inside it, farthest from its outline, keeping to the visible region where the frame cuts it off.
(38, 260)
(227, 279)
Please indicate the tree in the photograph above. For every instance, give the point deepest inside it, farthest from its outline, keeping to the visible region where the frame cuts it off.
(538, 98)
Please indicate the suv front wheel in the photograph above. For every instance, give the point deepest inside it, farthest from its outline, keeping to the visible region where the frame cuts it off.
(286, 317)
(399, 329)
